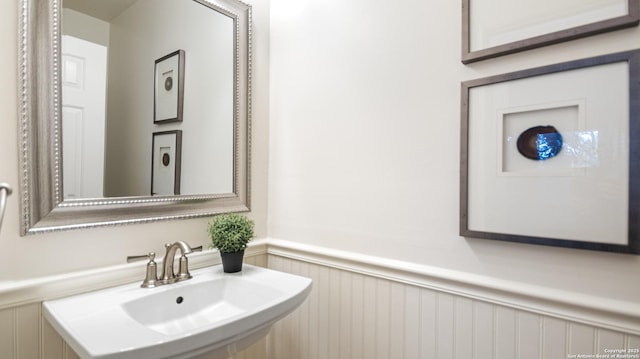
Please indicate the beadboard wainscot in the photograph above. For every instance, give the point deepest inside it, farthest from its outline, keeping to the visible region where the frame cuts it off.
(25, 334)
(368, 307)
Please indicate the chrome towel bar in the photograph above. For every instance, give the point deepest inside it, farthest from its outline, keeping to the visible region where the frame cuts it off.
(5, 191)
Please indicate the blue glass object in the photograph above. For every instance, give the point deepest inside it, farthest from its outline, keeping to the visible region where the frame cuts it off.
(540, 143)
(548, 145)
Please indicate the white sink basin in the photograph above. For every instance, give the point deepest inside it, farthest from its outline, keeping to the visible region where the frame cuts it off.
(213, 313)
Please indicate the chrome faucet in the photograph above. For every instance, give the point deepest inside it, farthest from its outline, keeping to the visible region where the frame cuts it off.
(168, 275)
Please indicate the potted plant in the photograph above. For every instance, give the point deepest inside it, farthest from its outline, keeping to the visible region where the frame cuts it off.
(230, 233)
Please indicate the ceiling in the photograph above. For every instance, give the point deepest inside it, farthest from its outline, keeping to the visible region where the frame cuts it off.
(101, 9)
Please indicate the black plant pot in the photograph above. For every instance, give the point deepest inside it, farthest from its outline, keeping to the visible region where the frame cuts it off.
(232, 262)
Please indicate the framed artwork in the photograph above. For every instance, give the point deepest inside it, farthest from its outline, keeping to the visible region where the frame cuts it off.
(168, 94)
(551, 155)
(166, 157)
(524, 25)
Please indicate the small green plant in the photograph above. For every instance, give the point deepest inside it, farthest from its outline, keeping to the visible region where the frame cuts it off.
(230, 232)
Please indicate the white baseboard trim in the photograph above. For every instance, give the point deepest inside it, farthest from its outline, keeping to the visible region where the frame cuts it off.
(595, 311)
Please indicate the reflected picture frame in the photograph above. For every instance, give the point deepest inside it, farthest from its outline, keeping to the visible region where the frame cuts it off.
(483, 40)
(168, 88)
(588, 195)
(166, 163)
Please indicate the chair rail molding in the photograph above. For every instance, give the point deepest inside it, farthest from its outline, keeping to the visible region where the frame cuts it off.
(602, 312)
(14, 294)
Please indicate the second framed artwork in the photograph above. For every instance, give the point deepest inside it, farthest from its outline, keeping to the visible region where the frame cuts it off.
(551, 155)
(168, 93)
(527, 24)
(166, 163)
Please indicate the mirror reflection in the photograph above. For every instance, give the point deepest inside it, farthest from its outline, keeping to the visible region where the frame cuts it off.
(136, 121)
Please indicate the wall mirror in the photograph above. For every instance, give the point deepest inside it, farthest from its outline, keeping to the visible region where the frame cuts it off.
(133, 111)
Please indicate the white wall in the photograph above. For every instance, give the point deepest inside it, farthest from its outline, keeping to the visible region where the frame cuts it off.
(365, 128)
(29, 258)
(363, 149)
(85, 27)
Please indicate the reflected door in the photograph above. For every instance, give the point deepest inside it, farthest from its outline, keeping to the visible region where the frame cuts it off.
(84, 68)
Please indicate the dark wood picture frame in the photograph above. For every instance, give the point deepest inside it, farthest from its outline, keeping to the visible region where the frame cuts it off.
(168, 94)
(632, 58)
(170, 158)
(468, 56)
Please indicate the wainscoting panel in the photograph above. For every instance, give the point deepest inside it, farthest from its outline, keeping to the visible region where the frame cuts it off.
(7, 330)
(360, 310)
(351, 315)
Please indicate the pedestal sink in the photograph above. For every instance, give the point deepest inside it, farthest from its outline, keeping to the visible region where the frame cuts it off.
(214, 314)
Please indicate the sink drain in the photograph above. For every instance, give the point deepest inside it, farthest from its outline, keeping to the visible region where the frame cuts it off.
(179, 300)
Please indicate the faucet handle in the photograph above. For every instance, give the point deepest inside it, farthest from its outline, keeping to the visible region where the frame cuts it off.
(151, 256)
(183, 272)
(151, 278)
